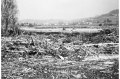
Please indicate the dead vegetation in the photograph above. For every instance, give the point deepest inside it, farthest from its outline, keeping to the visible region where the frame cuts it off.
(53, 57)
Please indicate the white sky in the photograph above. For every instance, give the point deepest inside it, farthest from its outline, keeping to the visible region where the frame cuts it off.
(64, 9)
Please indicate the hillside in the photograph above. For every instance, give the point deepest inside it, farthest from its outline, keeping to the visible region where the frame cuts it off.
(112, 15)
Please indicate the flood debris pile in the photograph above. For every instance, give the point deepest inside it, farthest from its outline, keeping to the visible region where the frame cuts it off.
(56, 57)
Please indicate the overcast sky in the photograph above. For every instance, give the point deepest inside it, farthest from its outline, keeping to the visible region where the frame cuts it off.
(63, 9)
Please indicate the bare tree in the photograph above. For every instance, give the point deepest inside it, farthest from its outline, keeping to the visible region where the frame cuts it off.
(8, 16)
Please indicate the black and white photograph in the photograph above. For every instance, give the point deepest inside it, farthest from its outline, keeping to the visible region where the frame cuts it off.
(59, 39)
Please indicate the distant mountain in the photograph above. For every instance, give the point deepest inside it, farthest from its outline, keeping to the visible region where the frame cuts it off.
(112, 15)
(114, 12)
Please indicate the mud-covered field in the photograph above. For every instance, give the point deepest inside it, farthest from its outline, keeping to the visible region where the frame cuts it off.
(60, 56)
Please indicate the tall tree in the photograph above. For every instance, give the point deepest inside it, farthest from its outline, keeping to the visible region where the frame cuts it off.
(8, 16)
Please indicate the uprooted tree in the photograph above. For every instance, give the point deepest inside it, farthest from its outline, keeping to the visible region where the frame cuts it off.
(8, 17)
